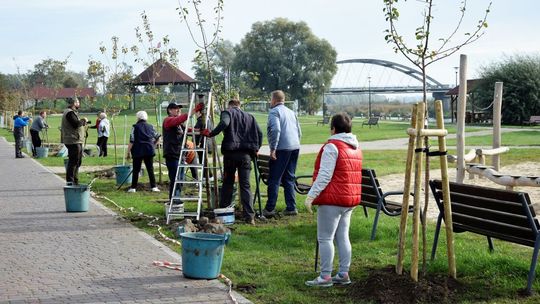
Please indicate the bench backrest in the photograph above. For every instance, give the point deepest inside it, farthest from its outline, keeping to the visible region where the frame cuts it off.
(534, 119)
(371, 189)
(373, 121)
(263, 165)
(503, 214)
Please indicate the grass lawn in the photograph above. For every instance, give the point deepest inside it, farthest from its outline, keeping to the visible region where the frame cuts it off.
(517, 138)
(311, 132)
(269, 263)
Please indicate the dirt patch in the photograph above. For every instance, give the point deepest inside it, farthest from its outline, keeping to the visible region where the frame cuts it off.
(385, 286)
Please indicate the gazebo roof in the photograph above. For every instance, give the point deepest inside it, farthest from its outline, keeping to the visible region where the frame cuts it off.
(162, 72)
(41, 92)
(471, 85)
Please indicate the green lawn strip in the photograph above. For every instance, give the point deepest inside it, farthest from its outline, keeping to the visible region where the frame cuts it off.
(508, 139)
(311, 133)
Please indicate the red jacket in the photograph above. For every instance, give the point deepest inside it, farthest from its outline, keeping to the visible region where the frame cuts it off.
(345, 187)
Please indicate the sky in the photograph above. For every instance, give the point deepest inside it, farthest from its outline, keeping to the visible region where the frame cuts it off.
(33, 30)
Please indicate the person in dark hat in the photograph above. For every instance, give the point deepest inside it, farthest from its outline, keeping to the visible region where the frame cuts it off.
(73, 133)
(172, 138)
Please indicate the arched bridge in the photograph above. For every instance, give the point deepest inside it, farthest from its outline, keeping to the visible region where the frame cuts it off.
(381, 76)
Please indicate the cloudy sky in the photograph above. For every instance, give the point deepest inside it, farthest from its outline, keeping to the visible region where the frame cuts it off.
(33, 30)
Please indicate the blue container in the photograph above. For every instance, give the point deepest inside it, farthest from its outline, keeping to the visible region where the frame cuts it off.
(123, 174)
(42, 152)
(76, 197)
(202, 254)
(63, 152)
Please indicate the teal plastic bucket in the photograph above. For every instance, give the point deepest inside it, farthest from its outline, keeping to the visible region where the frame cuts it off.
(42, 152)
(76, 197)
(123, 174)
(202, 254)
(28, 145)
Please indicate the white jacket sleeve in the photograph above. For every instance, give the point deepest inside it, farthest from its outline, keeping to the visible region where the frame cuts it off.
(326, 170)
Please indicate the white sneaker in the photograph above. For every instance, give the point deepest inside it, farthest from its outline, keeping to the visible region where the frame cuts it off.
(132, 190)
(320, 282)
(155, 189)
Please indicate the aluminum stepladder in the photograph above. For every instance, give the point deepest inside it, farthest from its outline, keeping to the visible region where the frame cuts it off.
(176, 204)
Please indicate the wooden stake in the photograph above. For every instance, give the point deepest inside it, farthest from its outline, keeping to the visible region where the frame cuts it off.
(446, 194)
(419, 158)
(406, 196)
(462, 104)
(497, 105)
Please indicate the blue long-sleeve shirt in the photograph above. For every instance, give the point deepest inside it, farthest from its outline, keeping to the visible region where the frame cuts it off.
(283, 129)
(20, 122)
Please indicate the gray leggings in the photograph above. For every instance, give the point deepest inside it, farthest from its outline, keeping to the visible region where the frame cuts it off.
(333, 224)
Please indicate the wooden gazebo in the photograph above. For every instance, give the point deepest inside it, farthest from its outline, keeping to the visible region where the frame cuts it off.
(162, 72)
(453, 93)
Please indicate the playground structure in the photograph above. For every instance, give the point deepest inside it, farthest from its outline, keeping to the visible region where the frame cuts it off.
(463, 160)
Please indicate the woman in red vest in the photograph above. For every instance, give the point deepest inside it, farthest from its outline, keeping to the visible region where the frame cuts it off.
(336, 189)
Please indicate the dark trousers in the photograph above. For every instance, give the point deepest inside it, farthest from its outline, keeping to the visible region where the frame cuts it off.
(149, 164)
(75, 154)
(233, 161)
(102, 144)
(172, 167)
(282, 171)
(18, 134)
(36, 141)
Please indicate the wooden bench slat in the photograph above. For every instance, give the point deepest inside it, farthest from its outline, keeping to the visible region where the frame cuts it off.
(508, 218)
(508, 238)
(493, 227)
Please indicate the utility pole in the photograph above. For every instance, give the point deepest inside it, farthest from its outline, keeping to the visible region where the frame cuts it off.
(457, 69)
(369, 96)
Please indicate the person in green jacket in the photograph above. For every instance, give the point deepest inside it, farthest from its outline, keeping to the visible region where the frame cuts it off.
(73, 134)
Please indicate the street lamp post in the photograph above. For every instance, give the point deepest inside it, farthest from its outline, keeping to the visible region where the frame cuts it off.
(369, 96)
(456, 68)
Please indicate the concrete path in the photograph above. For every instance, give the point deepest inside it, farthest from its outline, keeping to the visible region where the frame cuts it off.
(50, 256)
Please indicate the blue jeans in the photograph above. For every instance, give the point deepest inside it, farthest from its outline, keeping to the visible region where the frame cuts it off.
(282, 171)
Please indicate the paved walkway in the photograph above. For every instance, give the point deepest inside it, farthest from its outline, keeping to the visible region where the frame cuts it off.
(50, 256)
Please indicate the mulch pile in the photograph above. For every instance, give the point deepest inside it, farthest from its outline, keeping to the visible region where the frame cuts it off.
(385, 286)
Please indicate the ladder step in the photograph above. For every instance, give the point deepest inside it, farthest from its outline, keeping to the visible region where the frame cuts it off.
(186, 198)
(199, 166)
(192, 150)
(184, 182)
(183, 214)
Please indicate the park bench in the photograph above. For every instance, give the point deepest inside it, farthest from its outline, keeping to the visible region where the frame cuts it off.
(374, 197)
(324, 121)
(494, 213)
(373, 121)
(533, 120)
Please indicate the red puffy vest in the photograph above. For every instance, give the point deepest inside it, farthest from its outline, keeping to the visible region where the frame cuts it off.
(345, 187)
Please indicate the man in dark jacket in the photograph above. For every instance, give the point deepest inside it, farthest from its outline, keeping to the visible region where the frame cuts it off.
(73, 135)
(19, 122)
(242, 139)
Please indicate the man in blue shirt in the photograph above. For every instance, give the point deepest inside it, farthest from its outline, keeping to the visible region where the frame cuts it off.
(19, 122)
(284, 140)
